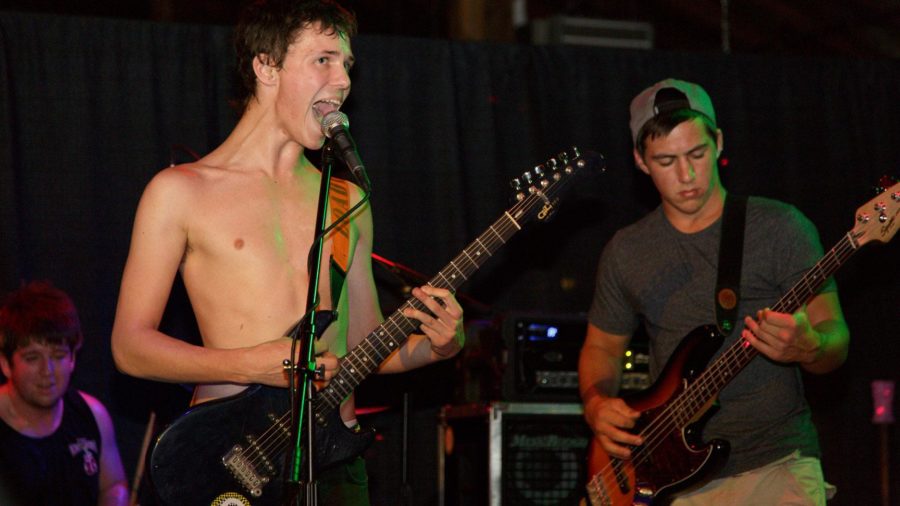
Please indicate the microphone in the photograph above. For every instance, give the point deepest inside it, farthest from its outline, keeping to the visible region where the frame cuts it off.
(336, 126)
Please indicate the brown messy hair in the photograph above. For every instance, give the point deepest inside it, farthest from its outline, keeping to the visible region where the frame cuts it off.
(40, 312)
(270, 26)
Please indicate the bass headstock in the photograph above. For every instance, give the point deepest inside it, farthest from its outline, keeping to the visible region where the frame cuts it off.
(877, 219)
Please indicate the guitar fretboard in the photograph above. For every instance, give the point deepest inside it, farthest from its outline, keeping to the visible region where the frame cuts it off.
(393, 333)
(539, 201)
(715, 377)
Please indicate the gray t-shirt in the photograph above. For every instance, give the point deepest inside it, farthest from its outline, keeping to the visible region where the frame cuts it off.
(653, 274)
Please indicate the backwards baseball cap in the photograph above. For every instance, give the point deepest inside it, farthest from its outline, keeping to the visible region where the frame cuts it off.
(666, 96)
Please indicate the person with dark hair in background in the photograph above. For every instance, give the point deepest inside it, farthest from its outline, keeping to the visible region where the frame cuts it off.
(662, 272)
(238, 226)
(57, 445)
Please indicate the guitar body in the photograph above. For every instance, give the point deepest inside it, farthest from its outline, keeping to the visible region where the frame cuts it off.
(680, 460)
(187, 466)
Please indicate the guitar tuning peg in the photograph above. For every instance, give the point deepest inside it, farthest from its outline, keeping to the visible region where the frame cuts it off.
(517, 187)
(563, 158)
(552, 164)
(539, 170)
(527, 177)
(576, 152)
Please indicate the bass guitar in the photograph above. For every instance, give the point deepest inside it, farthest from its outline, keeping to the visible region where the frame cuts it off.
(231, 451)
(673, 458)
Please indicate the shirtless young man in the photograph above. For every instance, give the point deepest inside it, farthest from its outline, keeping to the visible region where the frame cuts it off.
(238, 225)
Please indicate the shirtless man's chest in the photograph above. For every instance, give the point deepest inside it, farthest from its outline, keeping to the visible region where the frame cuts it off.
(248, 240)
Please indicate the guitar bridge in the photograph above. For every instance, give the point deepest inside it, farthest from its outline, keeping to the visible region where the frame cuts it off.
(240, 466)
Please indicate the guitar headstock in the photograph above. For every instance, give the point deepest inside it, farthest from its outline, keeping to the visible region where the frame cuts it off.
(878, 218)
(537, 190)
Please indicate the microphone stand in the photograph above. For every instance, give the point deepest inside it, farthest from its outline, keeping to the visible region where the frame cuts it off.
(301, 492)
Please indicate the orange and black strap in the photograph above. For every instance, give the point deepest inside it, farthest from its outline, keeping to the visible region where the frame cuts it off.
(339, 201)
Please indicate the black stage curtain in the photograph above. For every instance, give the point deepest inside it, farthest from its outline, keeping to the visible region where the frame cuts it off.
(92, 108)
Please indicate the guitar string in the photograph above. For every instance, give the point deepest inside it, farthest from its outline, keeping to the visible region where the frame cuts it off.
(374, 337)
(659, 431)
(274, 439)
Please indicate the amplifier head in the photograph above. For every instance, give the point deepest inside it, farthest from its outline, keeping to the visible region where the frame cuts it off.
(542, 357)
(541, 362)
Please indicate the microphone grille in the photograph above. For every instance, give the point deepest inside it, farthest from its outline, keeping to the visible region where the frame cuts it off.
(333, 121)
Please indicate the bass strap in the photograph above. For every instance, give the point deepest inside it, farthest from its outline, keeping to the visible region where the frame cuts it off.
(731, 253)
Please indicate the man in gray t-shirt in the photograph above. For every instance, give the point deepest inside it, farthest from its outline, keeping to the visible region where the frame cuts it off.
(661, 272)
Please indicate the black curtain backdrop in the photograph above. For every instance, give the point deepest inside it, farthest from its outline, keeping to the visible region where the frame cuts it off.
(92, 108)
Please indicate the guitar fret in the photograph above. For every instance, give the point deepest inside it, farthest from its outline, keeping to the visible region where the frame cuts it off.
(491, 228)
(466, 260)
(478, 253)
(339, 386)
(366, 357)
(401, 329)
(388, 345)
(511, 223)
(444, 279)
(458, 272)
(498, 241)
(355, 368)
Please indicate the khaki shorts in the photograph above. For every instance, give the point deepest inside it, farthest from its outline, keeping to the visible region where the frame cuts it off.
(792, 480)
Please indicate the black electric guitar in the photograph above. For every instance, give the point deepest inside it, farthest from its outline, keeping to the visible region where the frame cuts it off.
(673, 458)
(231, 451)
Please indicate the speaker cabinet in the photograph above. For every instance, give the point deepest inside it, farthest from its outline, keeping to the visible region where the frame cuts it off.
(508, 453)
(537, 454)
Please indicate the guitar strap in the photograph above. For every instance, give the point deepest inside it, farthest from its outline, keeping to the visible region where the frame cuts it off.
(339, 201)
(731, 252)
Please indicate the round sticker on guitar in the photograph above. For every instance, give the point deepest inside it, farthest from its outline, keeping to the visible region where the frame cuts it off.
(230, 499)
